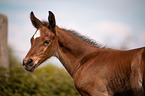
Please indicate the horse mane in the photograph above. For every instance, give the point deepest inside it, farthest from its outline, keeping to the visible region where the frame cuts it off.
(78, 35)
(85, 38)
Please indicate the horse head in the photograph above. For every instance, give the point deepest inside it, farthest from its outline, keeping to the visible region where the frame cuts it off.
(43, 42)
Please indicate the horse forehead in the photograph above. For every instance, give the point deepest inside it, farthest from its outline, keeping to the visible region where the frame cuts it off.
(37, 34)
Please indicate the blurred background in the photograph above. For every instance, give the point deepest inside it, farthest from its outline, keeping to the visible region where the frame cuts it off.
(117, 24)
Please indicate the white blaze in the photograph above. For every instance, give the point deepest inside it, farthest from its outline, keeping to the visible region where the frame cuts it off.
(37, 34)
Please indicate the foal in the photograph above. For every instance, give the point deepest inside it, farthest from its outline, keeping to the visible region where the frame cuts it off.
(95, 71)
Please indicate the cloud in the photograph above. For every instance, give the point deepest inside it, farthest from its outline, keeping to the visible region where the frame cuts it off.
(111, 33)
(113, 28)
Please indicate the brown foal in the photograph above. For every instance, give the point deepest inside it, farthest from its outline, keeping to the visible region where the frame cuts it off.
(96, 71)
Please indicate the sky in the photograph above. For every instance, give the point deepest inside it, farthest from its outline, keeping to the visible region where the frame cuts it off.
(118, 24)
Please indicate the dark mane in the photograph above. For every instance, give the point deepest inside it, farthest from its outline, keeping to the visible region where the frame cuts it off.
(84, 38)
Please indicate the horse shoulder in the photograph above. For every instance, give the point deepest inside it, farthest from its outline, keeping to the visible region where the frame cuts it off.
(91, 77)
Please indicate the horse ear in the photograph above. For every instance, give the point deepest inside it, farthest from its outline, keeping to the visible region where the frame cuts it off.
(51, 20)
(36, 22)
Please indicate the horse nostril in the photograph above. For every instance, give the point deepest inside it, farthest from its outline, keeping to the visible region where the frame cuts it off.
(29, 61)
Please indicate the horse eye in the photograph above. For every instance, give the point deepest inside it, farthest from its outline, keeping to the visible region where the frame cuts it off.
(47, 42)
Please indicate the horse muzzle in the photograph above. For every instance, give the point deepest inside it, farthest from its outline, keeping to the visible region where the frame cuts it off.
(29, 65)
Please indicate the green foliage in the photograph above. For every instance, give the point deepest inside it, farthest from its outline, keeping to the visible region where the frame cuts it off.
(48, 80)
(45, 81)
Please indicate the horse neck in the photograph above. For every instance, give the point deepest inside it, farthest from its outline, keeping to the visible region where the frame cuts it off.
(71, 50)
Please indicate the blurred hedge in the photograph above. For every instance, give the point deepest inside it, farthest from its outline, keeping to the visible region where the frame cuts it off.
(45, 81)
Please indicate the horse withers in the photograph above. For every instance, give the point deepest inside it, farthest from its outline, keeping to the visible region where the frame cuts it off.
(96, 71)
